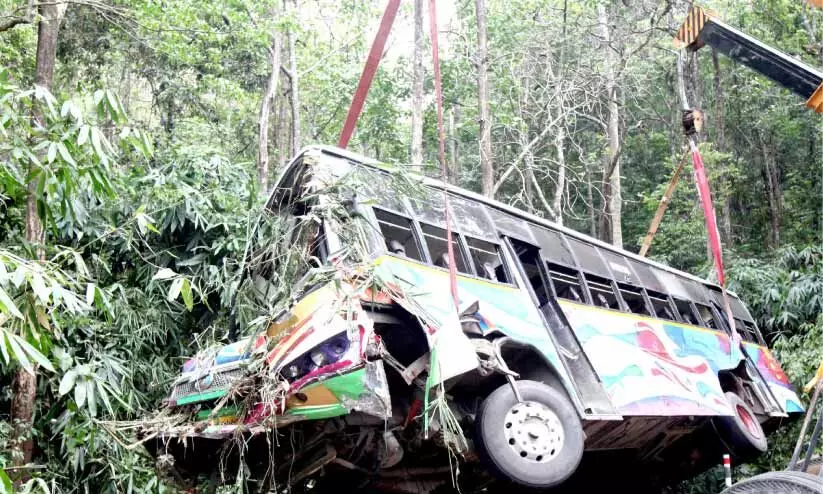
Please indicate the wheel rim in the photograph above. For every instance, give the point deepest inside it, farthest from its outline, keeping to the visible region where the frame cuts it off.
(533, 432)
(748, 421)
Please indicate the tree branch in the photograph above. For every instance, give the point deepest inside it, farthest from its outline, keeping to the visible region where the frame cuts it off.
(24, 19)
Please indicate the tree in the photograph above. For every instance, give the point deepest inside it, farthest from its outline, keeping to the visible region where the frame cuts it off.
(24, 389)
(275, 55)
(294, 83)
(485, 136)
(417, 89)
(612, 217)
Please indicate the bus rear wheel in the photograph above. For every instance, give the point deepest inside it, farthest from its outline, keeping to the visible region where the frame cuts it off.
(538, 442)
(742, 429)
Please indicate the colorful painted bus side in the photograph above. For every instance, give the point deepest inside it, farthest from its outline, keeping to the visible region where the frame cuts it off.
(654, 367)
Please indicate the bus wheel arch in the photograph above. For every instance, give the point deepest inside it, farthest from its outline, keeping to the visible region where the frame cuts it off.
(742, 431)
(531, 365)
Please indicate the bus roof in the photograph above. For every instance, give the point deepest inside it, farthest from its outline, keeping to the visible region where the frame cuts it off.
(372, 163)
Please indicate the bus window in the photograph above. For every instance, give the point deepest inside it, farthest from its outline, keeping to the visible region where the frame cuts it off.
(435, 239)
(745, 330)
(529, 258)
(398, 234)
(602, 292)
(566, 282)
(633, 297)
(707, 316)
(684, 308)
(660, 304)
(486, 258)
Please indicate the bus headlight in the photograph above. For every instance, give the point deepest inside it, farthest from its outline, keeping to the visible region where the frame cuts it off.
(318, 358)
(328, 352)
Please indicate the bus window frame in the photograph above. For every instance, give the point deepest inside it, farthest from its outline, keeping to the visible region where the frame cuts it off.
(547, 266)
(460, 243)
(414, 229)
(616, 284)
(669, 300)
(503, 264)
(518, 274)
(722, 326)
(621, 305)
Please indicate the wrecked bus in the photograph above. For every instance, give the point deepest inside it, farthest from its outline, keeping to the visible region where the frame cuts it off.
(562, 345)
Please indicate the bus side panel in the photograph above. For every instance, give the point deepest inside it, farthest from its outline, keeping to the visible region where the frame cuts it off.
(775, 377)
(653, 368)
(502, 308)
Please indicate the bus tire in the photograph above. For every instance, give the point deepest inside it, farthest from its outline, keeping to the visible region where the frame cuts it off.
(537, 443)
(788, 482)
(742, 429)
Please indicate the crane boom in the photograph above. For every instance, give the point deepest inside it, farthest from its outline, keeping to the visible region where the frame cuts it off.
(702, 27)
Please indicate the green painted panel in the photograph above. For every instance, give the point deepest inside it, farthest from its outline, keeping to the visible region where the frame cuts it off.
(211, 395)
(350, 385)
(319, 412)
(223, 412)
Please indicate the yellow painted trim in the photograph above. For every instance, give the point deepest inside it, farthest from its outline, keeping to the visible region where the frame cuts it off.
(318, 395)
(815, 101)
(473, 279)
(637, 317)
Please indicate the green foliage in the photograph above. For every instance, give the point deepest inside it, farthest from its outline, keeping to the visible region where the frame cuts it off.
(154, 236)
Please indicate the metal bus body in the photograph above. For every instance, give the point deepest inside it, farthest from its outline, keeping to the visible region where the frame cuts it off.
(641, 350)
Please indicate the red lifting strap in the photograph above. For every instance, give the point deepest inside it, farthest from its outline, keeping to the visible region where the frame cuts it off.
(441, 149)
(368, 72)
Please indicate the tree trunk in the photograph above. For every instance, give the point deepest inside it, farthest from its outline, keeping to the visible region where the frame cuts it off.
(24, 385)
(275, 54)
(282, 129)
(611, 179)
(417, 90)
(454, 157)
(590, 201)
(486, 165)
(774, 192)
(559, 139)
(295, 90)
(720, 141)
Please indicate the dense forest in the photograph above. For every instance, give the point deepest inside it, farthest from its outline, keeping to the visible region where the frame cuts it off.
(138, 140)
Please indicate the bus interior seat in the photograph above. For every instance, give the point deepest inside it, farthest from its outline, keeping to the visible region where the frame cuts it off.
(443, 260)
(395, 247)
(571, 293)
(489, 271)
(603, 302)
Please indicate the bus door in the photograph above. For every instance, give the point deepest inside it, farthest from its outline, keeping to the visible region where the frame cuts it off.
(531, 268)
(764, 394)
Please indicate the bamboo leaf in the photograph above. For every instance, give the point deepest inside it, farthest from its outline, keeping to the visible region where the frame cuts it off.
(67, 382)
(104, 395)
(19, 354)
(34, 353)
(39, 287)
(80, 394)
(185, 290)
(64, 153)
(6, 486)
(174, 290)
(164, 274)
(52, 152)
(90, 396)
(7, 304)
(4, 346)
(83, 135)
